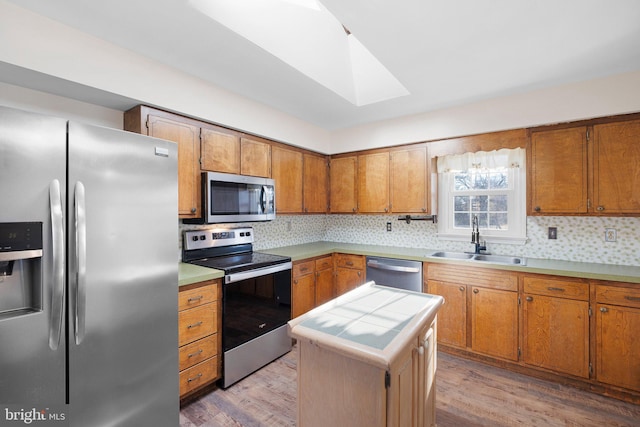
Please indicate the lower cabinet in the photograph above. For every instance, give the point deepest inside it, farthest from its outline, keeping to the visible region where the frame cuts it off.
(312, 284)
(199, 338)
(556, 324)
(350, 272)
(617, 327)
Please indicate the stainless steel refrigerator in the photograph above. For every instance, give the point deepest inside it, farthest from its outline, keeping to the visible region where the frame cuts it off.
(88, 274)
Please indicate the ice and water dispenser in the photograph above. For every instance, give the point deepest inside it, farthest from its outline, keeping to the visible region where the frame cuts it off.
(20, 268)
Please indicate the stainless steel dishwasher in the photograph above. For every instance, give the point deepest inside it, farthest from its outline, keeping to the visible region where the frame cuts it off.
(395, 273)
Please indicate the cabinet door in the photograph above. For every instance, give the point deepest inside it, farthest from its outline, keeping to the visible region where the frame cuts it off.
(324, 286)
(348, 279)
(558, 173)
(287, 173)
(373, 183)
(403, 391)
(409, 180)
(556, 334)
(616, 175)
(343, 184)
(303, 295)
(255, 157)
(188, 139)
(316, 184)
(452, 317)
(618, 346)
(220, 150)
(494, 329)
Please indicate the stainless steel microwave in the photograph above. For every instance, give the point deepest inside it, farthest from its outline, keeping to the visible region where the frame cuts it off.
(237, 198)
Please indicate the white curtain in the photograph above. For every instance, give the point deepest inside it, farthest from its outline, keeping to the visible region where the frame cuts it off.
(504, 158)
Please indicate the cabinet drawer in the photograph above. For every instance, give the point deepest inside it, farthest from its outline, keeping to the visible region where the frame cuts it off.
(629, 297)
(541, 285)
(324, 263)
(350, 261)
(483, 277)
(198, 296)
(198, 375)
(302, 268)
(197, 323)
(198, 351)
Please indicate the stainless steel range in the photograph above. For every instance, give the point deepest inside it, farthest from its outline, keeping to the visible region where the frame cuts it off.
(256, 301)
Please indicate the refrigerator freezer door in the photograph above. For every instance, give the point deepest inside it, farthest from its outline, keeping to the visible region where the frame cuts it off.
(32, 345)
(123, 279)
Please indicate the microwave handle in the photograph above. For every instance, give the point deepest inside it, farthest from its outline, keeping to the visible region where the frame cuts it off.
(263, 199)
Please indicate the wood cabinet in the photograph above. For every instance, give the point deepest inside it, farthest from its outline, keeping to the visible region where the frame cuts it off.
(558, 171)
(350, 272)
(315, 186)
(491, 308)
(287, 165)
(452, 318)
(312, 284)
(617, 324)
(616, 175)
(589, 169)
(343, 184)
(373, 182)
(556, 324)
(199, 338)
(255, 156)
(220, 150)
(409, 190)
(186, 134)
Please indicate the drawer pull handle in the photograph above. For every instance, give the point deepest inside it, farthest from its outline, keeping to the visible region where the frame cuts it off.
(529, 298)
(603, 309)
(194, 299)
(194, 325)
(630, 298)
(349, 263)
(196, 378)
(475, 291)
(461, 288)
(304, 269)
(551, 288)
(195, 354)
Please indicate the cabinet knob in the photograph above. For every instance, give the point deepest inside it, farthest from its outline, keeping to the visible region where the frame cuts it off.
(475, 291)
(600, 208)
(461, 288)
(295, 282)
(354, 209)
(194, 210)
(359, 273)
(424, 209)
(537, 209)
(604, 309)
(386, 209)
(529, 298)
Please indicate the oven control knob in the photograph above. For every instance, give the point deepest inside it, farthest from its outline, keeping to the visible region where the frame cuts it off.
(203, 237)
(194, 238)
(248, 233)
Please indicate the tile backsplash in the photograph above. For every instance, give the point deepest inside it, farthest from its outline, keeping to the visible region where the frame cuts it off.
(578, 239)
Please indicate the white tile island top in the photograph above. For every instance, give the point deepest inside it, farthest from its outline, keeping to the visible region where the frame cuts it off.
(371, 322)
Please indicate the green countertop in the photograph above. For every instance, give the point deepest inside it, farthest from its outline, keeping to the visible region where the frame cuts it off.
(621, 273)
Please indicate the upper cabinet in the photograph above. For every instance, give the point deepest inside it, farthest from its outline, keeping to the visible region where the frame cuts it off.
(186, 134)
(373, 183)
(589, 169)
(220, 150)
(409, 190)
(255, 157)
(343, 184)
(558, 172)
(616, 170)
(315, 183)
(287, 173)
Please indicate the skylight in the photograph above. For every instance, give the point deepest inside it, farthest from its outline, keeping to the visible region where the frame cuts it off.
(305, 35)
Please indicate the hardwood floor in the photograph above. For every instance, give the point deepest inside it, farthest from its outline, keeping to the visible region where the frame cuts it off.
(469, 394)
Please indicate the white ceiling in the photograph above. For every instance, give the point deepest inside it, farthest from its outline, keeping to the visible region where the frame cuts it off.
(446, 53)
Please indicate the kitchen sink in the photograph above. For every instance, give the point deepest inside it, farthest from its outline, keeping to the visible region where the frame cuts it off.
(487, 258)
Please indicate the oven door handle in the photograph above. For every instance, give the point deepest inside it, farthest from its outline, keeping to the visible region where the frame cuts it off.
(257, 272)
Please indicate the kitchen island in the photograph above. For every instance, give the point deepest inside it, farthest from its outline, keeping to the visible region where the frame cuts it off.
(367, 358)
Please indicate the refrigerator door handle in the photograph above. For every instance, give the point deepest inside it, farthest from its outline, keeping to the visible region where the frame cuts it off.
(81, 262)
(57, 243)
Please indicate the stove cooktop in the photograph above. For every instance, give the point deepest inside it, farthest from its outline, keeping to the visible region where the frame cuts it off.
(241, 262)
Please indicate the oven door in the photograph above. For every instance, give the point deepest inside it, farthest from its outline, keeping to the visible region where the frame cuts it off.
(255, 302)
(237, 198)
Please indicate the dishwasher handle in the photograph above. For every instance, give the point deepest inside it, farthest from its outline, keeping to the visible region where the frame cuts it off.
(390, 267)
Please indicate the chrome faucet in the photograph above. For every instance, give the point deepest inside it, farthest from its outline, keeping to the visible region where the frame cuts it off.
(475, 236)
